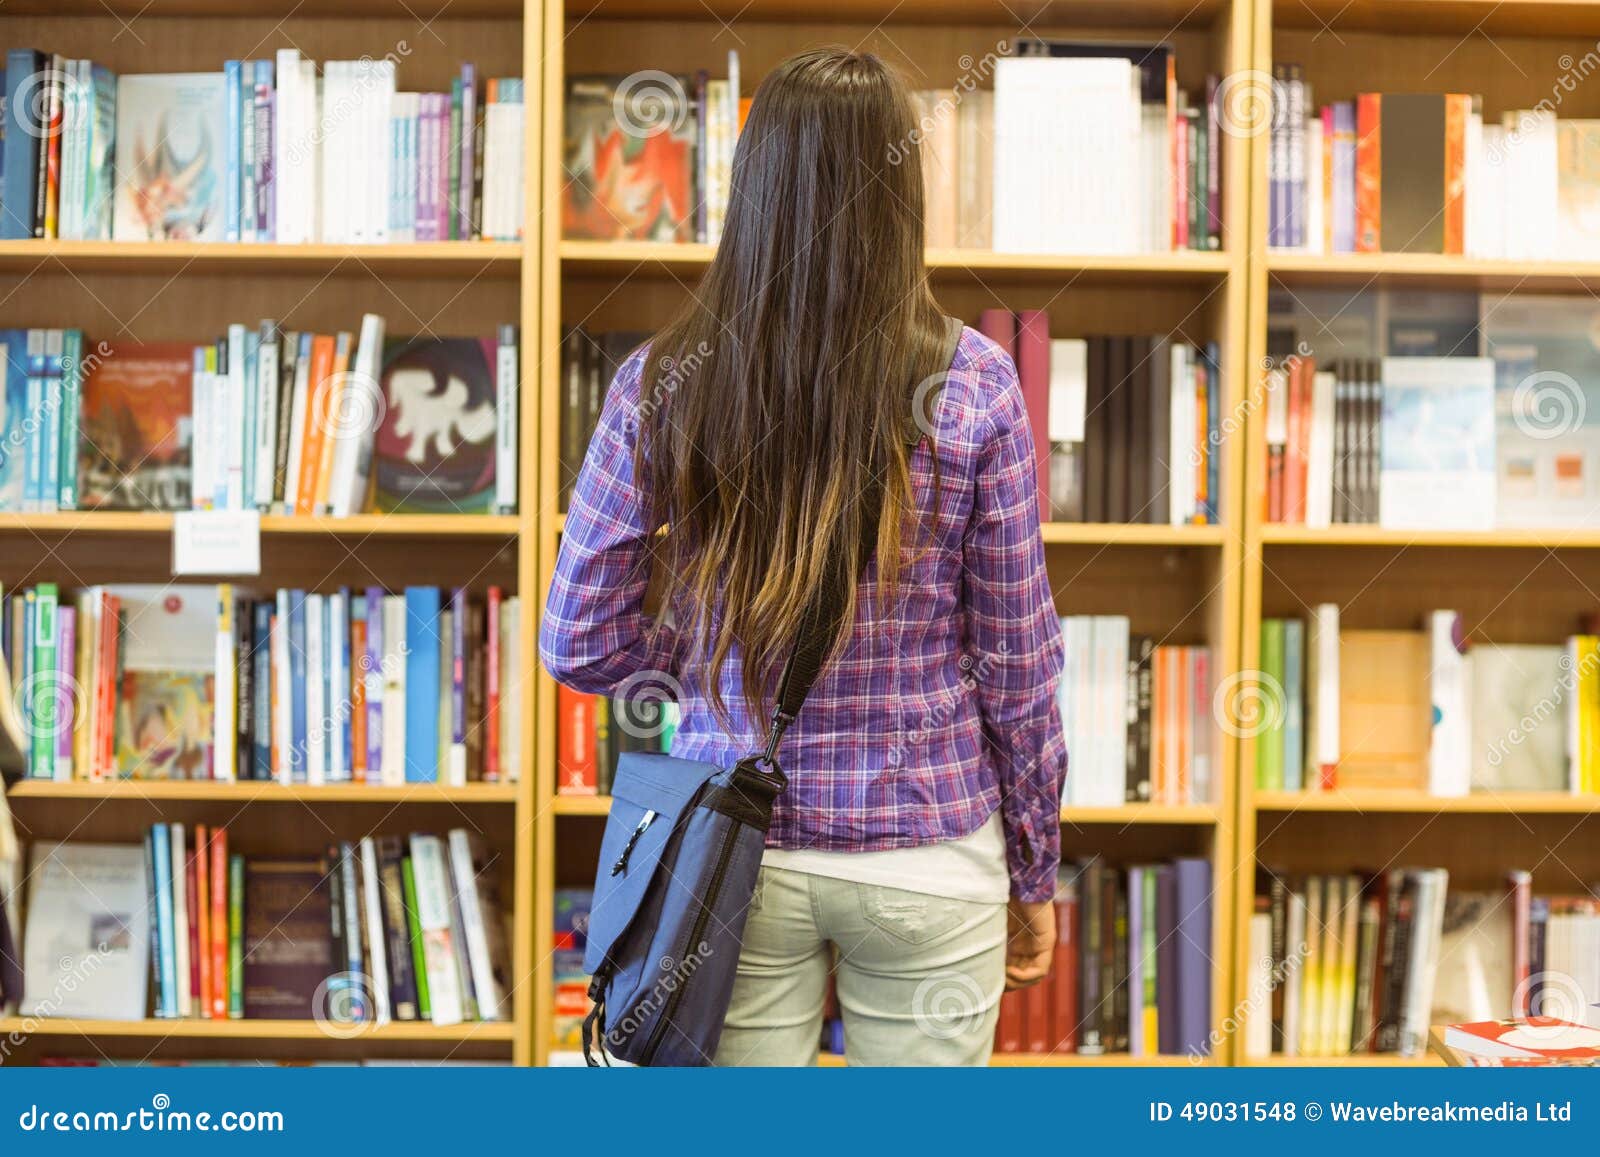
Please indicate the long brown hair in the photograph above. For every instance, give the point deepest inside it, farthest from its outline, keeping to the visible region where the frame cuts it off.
(781, 396)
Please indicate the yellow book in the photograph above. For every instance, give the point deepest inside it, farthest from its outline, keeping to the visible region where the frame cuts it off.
(1588, 709)
(332, 412)
(1349, 937)
(1311, 970)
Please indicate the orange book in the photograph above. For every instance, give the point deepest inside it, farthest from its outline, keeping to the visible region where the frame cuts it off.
(202, 908)
(1202, 443)
(1182, 686)
(1327, 178)
(111, 642)
(312, 435)
(1457, 108)
(274, 752)
(358, 700)
(577, 772)
(219, 924)
(333, 417)
(1158, 730)
(1369, 172)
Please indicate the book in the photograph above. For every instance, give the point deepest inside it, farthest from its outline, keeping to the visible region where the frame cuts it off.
(1513, 686)
(629, 159)
(136, 417)
(1438, 457)
(287, 953)
(171, 167)
(435, 450)
(88, 931)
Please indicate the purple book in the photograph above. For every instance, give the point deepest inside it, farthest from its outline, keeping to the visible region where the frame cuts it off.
(1136, 961)
(1194, 955)
(469, 121)
(1167, 958)
(441, 166)
(427, 153)
(66, 713)
(373, 672)
(266, 208)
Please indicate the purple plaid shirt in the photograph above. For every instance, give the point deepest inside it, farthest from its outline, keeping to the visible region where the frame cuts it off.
(938, 710)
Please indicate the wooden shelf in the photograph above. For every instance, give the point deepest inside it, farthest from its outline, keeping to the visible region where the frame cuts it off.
(1427, 270)
(1122, 13)
(153, 522)
(1370, 800)
(623, 257)
(1103, 534)
(1463, 17)
(420, 259)
(257, 1030)
(259, 792)
(1364, 1061)
(1058, 1060)
(1530, 538)
(1137, 813)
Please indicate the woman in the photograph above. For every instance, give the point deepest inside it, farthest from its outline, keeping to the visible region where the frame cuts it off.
(774, 423)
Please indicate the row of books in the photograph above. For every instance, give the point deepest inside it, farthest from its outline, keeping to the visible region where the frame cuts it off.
(261, 418)
(1365, 962)
(570, 1003)
(1132, 969)
(1424, 710)
(594, 731)
(588, 363)
(1137, 716)
(649, 157)
(1072, 135)
(1424, 173)
(265, 150)
(185, 926)
(180, 682)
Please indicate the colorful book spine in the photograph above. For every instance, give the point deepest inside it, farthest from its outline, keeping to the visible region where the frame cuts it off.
(422, 684)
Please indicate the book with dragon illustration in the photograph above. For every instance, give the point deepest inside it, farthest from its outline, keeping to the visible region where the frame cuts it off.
(435, 449)
(630, 159)
(170, 159)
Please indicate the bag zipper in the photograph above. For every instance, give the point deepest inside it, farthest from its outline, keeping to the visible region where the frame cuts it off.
(724, 855)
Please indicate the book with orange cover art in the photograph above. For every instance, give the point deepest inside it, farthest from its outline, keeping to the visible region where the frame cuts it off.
(629, 159)
(1369, 172)
(1457, 110)
(134, 453)
(316, 424)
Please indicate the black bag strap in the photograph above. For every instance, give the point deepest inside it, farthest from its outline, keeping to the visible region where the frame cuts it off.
(820, 622)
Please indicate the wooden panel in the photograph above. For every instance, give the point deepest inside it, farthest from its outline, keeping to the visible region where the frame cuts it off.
(1159, 14)
(1461, 17)
(1168, 594)
(459, 260)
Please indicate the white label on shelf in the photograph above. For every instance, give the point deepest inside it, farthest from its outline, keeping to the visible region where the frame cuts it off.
(216, 542)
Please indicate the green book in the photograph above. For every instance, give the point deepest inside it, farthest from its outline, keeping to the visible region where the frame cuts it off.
(71, 396)
(408, 882)
(1269, 742)
(41, 693)
(235, 937)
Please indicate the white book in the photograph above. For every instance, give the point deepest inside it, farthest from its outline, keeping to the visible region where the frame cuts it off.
(377, 941)
(437, 932)
(478, 921)
(1423, 961)
(285, 153)
(1490, 195)
(1065, 699)
(1437, 444)
(378, 176)
(394, 689)
(1322, 695)
(1111, 674)
(1258, 1029)
(180, 916)
(310, 109)
(86, 938)
(1315, 208)
(1181, 416)
(200, 452)
(337, 614)
(1069, 378)
(1155, 165)
(316, 691)
(507, 385)
(282, 716)
(1295, 952)
(355, 428)
(220, 450)
(1319, 456)
(225, 690)
(266, 399)
(334, 192)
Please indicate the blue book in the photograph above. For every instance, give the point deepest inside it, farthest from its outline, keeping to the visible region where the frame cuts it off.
(233, 94)
(50, 435)
(422, 684)
(1192, 965)
(261, 731)
(20, 149)
(33, 479)
(266, 207)
(71, 405)
(161, 857)
(297, 679)
(13, 409)
(1294, 744)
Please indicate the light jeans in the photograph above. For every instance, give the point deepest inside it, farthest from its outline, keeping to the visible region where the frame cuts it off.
(918, 977)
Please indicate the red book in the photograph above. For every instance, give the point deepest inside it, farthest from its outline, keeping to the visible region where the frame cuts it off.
(1294, 463)
(202, 923)
(1037, 1021)
(192, 903)
(1064, 1031)
(1033, 371)
(1008, 1034)
(576, 767)
(1000, 327)
(219, 924)
(1369, 173)
(1534, 1038)
(491, 709)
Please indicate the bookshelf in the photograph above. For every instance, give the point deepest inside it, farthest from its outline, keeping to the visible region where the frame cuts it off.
(1180, 584)
(177, 291)
(1510, 585)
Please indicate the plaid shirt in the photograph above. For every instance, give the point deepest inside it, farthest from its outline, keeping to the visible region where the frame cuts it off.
(938, 710)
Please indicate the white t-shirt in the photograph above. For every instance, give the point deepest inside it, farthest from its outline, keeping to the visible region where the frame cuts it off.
(971, 868)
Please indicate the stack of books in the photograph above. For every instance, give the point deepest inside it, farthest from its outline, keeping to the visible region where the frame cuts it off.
(1137, 716)
(1365, 962)
(263, 151)
(278, 421)
(384, 928)
(595, 731)
(1427, 173)
(1426, 710)
(1132, 967)
(180, 682)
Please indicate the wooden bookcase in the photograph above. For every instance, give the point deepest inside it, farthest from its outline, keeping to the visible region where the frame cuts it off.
(157, 292)
(1180, 584)
(1511, 586)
